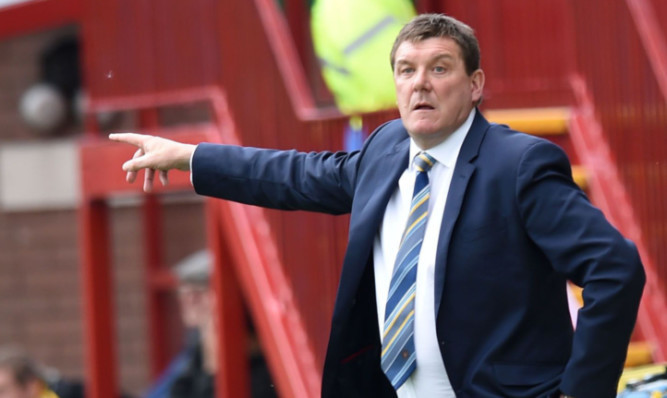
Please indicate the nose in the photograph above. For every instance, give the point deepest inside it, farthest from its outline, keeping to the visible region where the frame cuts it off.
(421, 81)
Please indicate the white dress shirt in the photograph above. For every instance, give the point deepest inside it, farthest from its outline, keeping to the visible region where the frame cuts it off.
(430, 377)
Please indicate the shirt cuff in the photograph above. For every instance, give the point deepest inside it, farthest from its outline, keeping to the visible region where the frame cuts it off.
(191, 157)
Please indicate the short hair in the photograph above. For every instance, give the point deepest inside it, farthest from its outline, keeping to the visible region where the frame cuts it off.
(22, 367)
(426, 26)
(195, 269)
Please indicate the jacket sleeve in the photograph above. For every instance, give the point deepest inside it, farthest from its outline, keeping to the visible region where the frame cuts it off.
(582, 245)
(287, 180)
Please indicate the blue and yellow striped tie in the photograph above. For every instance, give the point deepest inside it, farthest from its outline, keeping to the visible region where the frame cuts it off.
(398, 346)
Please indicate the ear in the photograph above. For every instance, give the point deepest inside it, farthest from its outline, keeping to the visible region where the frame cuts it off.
(477, 84)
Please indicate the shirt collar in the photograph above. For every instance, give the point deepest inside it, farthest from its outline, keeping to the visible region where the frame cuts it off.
(447, 151)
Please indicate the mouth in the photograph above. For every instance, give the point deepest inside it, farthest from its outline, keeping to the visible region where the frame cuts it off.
(423, 106)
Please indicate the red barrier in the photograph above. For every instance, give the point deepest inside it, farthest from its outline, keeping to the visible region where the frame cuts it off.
(32, 15)
(624, 80)
(98, 304)
(526, 49)
(609, 194)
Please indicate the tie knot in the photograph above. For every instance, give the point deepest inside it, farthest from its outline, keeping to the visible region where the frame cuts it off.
(423, 162)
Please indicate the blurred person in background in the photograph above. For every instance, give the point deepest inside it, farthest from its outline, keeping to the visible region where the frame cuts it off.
(196, 300)
(23, 377)
(190, 373)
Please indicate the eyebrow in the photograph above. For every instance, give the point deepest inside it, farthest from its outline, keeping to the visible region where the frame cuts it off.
(444, 56)
(438, 57)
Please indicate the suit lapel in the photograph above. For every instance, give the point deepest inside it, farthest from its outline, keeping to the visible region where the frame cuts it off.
(463, 171)
(380, 182)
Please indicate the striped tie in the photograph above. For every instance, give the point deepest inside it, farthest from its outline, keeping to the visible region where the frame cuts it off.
(398, 346)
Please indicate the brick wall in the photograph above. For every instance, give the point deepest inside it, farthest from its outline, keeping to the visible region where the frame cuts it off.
(19, 69)
(40, 305)
(40, 283)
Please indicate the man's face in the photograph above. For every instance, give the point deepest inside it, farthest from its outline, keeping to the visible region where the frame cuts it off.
(434, 93)
(10, 388)
(195, 303)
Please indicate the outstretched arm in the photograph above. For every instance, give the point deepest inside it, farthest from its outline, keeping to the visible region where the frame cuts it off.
(288, 180)
(154, 154)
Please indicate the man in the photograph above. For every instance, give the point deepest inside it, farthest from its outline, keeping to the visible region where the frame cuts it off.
(470, 300)
(190, 374)
(196, 302)
(20, 377)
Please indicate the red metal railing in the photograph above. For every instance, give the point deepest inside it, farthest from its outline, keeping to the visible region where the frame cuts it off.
(526, 49)
(244, 245)
(631, 104)
(146, 48)
(629, 100)
(652, 37)
(609, 194)
(272, 106)
(32, 15)
(152, 53)
(660, 10)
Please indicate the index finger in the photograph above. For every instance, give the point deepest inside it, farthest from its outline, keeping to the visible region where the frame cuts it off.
(129, 138)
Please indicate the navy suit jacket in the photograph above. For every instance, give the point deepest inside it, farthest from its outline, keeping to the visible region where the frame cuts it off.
(515, 228)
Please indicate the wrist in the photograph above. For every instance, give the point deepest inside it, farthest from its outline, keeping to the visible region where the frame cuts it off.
(187, 150)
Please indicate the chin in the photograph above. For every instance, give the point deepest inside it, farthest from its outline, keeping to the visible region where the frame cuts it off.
(422, 129)
(423, 124)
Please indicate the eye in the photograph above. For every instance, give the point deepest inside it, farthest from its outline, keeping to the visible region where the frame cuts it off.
(439, 69)
(406, 70)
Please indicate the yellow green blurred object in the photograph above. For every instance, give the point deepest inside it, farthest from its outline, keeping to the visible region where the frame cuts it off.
(47, 393)
(638, 373)
(356, 122)
(354, 134)
(352, 41)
